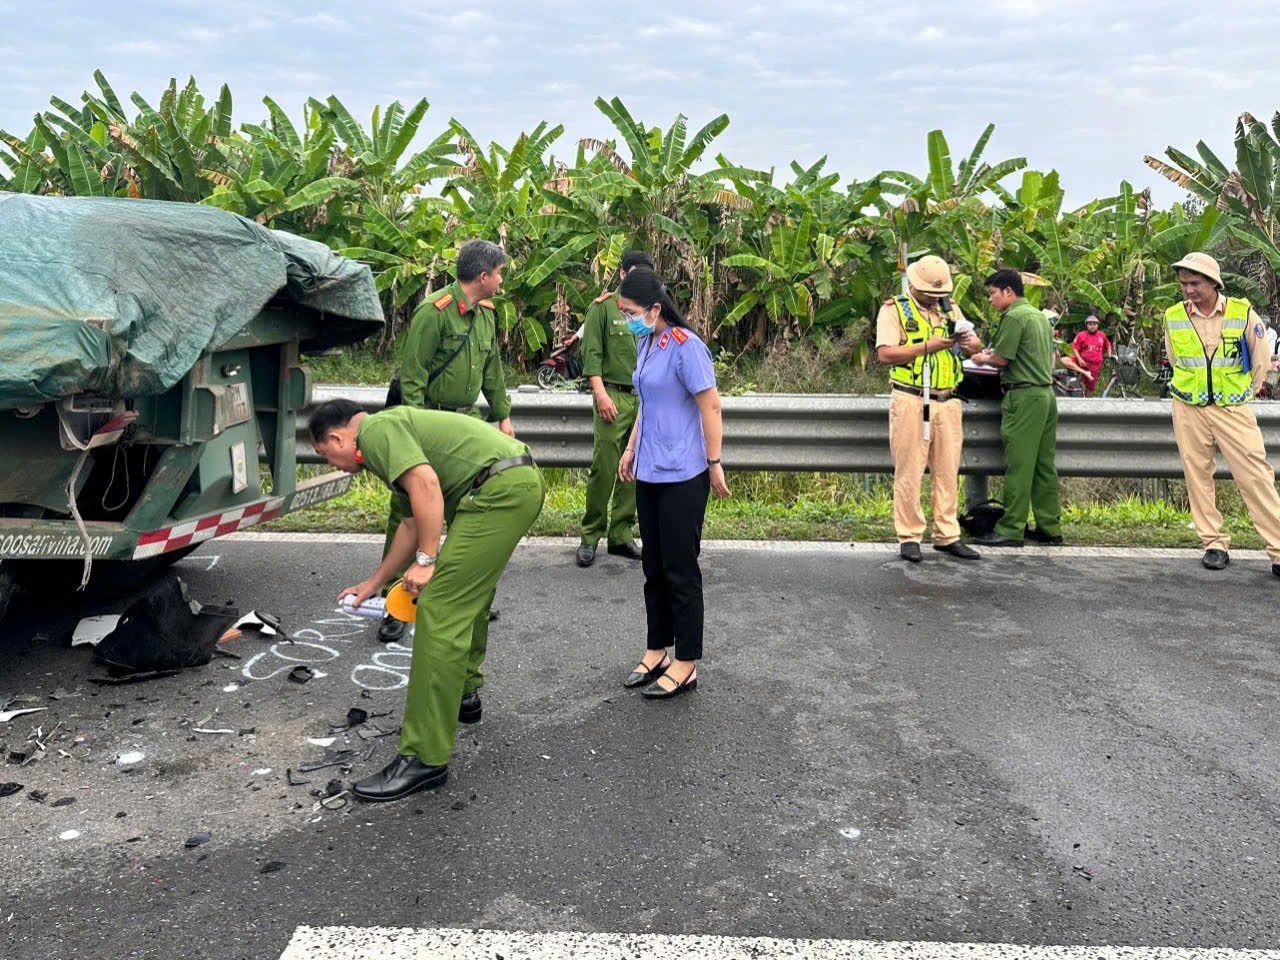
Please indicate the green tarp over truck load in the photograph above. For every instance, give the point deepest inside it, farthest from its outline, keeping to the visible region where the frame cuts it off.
(121, 297)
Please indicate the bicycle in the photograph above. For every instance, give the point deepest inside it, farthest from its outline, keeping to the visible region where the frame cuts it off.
(1127, 373)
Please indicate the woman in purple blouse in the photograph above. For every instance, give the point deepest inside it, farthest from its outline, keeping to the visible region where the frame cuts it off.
(674, 457)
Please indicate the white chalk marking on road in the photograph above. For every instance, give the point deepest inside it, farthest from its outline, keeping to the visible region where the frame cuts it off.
(390, 943)
(887, 550)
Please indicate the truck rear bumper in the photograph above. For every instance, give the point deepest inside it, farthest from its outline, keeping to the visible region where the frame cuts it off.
(60, 540)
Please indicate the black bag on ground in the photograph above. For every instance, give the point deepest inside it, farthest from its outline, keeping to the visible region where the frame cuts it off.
(981, 519)
(164, 629)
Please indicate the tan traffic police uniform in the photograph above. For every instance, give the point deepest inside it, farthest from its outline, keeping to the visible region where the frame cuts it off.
(911, 452)
(1229, 427)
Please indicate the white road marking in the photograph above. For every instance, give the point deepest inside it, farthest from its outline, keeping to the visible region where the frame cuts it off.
(391, 943)
(888, 550)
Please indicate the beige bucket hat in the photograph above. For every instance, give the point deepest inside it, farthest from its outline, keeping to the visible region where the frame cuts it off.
(1202, 264)
(930, 275)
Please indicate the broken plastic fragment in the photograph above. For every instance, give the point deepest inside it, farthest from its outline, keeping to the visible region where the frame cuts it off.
(301, 673)
(271, 866)
(331, 758)
(63, 802)
(91, 630)
(9, 789)
(68, 834)
(129, 758)
(7, 715)
(200, 838)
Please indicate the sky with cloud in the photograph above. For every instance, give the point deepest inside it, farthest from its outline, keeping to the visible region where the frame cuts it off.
(1083, 86)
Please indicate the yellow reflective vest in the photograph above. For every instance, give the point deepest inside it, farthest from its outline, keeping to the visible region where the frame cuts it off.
(1225, 379)
(944, 366)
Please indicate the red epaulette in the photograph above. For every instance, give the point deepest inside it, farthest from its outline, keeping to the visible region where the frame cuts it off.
(443, 301)
(680, 334)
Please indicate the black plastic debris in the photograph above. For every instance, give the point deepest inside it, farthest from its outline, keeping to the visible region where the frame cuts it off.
(198, 839)
(120, 677)
(63, 802)
(271, 866)
(331, 758)
(9, 789)
(356, 716)
(164, 629)
(331, 789)
(294, 781)
(301, 673)
(39, 796)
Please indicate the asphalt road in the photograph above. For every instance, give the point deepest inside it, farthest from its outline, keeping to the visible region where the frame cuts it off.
(1035, 750)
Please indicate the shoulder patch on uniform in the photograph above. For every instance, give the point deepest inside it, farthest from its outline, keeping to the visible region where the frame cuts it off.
(679, 334)
(487, 304)
(664, 340)
(443, 301)
(603, 297)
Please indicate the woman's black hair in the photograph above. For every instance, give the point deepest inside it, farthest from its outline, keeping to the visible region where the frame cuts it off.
(641, 285)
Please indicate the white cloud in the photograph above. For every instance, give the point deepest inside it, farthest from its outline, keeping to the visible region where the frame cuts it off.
(682, 27)
(324, 20)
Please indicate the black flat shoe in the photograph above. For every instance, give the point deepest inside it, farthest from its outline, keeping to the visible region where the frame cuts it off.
(470, 709)
(399, 778)
(656, 691)
(390, 630)
(586, 554)
(910, 552)
(642, 677)
(1036, 536)
(996, 540)
(630, 550)
(1215, 559)
(960, 551)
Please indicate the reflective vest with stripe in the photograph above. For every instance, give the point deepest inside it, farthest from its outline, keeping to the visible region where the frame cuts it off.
(944, 366)
(1199, 379)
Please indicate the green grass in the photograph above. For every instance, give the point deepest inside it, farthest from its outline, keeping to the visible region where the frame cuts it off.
(835, 507)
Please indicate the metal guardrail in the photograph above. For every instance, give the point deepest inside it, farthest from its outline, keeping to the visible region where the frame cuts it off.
(843, 434)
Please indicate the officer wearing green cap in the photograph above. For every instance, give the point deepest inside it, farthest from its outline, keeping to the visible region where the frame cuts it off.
(608, 360)
(450, 354)
(441, 468)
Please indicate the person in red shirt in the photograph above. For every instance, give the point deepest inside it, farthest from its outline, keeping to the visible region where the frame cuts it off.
(1092, 347)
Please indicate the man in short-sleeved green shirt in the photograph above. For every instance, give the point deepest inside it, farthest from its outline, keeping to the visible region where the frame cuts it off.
(608, 360)
(441, 467)
(449, 355)
(1023, 349)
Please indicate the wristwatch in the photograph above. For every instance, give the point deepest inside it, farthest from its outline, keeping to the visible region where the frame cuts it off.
(425, 559)
(712, 463)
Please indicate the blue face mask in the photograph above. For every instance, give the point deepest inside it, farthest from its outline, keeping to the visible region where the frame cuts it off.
(636, 324)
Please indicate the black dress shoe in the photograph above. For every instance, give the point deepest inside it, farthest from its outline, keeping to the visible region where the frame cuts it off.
(630, 550)
(642, 677)
(399, 778)
(958, 550)
(1036, 536)
(910, 551)
(994, 539)
(1215, 559)
(493, 614)
(656, 691)
(1275, 568)
(391, 630)
(470, 709)
(586, 554)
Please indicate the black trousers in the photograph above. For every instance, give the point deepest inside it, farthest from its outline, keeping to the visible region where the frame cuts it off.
(671, 516)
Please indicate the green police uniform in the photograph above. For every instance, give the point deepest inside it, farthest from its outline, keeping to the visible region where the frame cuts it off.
(609, 352)
(457, 342)
(485, 524)
(1028, 422)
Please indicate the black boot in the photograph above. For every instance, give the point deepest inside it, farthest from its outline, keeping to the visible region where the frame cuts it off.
(470, 709)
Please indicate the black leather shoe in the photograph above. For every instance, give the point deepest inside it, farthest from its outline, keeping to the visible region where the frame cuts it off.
(655, 690)
(958, 550)
(493, 614)
(1035, 536)
(994, 539)
(1275, 568)
(399, 778)
(642, 677)
(1215, 559)
(910, 551)
(630, 550)
(586, 554)
(390, 630)
(470, 709)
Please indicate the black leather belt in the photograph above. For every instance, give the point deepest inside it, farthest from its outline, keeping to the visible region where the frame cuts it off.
(443, 409)
(491, 471)
(1006, 387)
(624, 387)
(939, 395)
